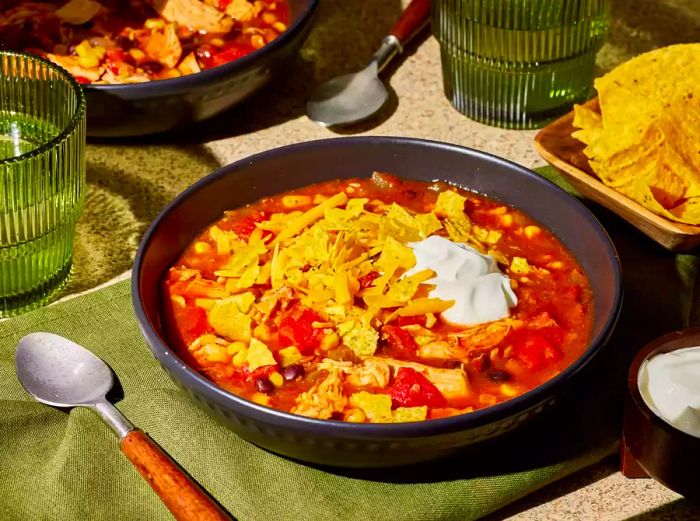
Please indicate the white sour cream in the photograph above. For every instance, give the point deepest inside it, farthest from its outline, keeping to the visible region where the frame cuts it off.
(480, 291)
(670, 385)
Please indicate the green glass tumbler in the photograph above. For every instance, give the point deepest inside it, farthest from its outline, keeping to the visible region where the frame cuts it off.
(42, 179)
(519, 63)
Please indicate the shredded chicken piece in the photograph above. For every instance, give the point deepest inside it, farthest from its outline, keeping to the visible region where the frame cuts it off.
(194, 14)
(323, 399)
(452, 383)
(164, 46)
(440, 350)
(243, 10)
(370, 373)
(485, 336)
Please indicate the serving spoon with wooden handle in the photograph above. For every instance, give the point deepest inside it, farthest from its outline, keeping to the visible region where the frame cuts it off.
(354, 97)
(58, 372)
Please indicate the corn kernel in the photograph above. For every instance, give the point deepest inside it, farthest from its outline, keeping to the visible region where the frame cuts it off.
(269, 18)
(178, 299)
(329, 341)
(354, 415)
(240, 357)
(506, 220)
(279, 26)
(261, 399)
(510, 390)
(276, 379)
(217, 42)
(555, 265)
(214, 353)
(137, 54)
(154, 23)
(262, 332)
(201, 247)
(532, 231)
(487, 399)
(257, 41)
(294, 201)
(235, 347)
(430, 320)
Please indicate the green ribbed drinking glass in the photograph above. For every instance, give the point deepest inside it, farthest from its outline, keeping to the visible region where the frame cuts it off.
(519, 63)
(42, 179)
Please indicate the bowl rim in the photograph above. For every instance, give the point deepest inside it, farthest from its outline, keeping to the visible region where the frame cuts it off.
(460, 422)
(216, 73)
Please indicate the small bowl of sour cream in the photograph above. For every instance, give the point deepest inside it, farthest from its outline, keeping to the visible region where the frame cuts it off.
(662, 415)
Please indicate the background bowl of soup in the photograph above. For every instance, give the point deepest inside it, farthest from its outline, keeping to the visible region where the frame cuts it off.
(154, 97)
(342, 443)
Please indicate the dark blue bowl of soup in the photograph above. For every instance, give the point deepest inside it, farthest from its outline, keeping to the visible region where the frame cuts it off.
(137, 109)
(338, 443)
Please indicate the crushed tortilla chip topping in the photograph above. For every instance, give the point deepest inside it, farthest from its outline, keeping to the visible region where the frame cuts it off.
(318, 291)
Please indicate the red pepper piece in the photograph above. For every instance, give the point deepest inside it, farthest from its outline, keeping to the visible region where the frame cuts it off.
(246, 225)
(296, 329)
(535, 351)
(82, 79)
(367, 280)
(409, 321)
(401, 341)
(412, 389)
(229, 55)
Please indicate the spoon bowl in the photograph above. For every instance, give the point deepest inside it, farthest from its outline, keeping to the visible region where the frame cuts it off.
(59, 372)
(348, 99)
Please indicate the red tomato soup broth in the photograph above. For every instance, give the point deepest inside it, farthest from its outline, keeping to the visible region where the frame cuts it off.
(312, 302)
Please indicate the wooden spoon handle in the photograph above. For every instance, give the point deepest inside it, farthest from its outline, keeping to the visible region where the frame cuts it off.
(183, 497)
(411, 21)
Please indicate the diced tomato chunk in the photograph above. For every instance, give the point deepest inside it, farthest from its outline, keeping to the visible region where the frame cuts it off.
(82, 79)
(246, 225)
(296, 329)
(412, 389)
(193, 323)
(535, 351)
(401, 341)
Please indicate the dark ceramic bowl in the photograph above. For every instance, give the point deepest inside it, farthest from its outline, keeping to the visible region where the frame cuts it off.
(369, 445)
(666, 454)
(137, 109)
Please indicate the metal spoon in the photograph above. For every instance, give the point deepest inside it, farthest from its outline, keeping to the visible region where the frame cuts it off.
(355, 97)
(58, 372)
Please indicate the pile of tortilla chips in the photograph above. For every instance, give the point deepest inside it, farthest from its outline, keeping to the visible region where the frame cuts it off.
(645, 142)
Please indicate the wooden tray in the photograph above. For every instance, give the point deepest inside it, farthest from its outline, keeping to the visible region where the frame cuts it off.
(555, 144)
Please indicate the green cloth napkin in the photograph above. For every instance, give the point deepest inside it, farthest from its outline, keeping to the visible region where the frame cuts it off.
(67, 465)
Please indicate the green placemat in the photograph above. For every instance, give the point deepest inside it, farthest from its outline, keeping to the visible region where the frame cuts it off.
(59, 465)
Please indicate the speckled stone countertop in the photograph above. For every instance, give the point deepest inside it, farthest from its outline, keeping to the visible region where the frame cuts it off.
(121, 200)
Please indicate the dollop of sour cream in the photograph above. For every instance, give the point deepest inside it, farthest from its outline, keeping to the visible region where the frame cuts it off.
(481, 292)
(670, 385)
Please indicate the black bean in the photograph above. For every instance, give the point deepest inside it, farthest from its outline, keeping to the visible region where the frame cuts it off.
(263, 385)
(292, 372)
(499, 376)
(123, 42)
(151, 67)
